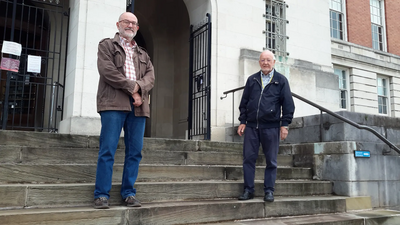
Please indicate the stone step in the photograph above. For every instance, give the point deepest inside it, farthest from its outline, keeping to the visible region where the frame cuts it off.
(183, 212)
(51, 140)
(48, 140)
(23, 155)
(75, 173)
(58, 195)
(370, 217)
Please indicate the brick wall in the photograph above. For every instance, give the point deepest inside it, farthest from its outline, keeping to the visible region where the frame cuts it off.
(359, 22)
(392, 11)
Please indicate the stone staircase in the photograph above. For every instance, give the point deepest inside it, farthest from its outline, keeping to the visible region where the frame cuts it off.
(49, 179)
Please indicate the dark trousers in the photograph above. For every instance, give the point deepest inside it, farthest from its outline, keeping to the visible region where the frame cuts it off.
(269, 139)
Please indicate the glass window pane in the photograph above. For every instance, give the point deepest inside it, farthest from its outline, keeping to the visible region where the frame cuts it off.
(375, 9)
(344, 81)
(384, 106)
(380, 90)
(336, 5)
(337, 71)
(333, 16)
(334, 25)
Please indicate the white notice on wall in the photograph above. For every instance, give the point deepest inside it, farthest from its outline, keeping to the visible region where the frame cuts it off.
(34, 63)
(12, 48)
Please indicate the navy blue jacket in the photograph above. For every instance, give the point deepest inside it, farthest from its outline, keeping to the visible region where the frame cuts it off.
(269, 108)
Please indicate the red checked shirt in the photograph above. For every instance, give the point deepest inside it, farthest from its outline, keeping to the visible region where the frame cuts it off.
(129, 51)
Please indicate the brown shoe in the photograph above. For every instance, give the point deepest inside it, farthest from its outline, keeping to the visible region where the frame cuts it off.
(131, 201)
(101, 203)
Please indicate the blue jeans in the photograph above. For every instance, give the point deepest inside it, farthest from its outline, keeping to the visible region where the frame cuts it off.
(112, 123)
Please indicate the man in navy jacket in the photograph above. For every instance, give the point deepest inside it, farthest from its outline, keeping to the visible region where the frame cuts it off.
(266, 110)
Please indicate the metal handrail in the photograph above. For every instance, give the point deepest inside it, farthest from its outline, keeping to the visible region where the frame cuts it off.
(322, 109)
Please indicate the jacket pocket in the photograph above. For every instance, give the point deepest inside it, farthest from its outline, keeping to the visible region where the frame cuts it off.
(142, 67)
(269, 112)
(107, 95)
(118, 60)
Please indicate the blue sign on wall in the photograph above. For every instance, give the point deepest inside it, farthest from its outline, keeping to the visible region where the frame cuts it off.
(362, 154)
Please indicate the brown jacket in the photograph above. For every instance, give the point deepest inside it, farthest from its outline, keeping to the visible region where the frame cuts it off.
(114, 88)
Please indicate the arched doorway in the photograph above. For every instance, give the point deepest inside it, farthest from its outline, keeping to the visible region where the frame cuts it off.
(165, 28)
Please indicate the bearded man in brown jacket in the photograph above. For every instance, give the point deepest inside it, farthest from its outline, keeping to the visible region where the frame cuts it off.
(126, 77)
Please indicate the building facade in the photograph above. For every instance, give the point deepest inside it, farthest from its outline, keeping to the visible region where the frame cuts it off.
(339, 54)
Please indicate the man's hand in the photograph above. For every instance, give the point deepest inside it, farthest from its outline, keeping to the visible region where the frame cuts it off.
(284, 133)
(138, 99)
(241, 128)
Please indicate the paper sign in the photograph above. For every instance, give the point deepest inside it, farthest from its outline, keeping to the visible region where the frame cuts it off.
(12, 48)
(34, 63)
(9, 64)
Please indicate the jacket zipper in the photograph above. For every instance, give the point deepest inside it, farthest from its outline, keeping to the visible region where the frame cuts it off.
(259, 100)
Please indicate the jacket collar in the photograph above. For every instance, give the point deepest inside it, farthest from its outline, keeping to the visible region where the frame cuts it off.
(117, 39)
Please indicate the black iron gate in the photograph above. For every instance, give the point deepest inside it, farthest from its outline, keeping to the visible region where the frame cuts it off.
(200, 83)
(34, 100)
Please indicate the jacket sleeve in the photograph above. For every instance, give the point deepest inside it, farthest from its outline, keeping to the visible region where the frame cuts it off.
(108, 70)
(287, 104)
(243, 104)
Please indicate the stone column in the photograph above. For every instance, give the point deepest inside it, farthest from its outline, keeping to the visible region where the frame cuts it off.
(90, 21)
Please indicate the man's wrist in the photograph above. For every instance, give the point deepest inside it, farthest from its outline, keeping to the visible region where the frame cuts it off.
(136, 88)
(286, 127)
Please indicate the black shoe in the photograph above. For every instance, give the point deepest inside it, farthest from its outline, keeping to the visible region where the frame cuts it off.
(101, 203)
(269, 197)
(246, 196)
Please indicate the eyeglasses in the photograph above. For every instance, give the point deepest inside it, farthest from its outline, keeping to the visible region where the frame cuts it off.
(127, 22)
(266, 60)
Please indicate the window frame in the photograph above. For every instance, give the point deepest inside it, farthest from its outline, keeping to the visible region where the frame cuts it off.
(344, 72)
(379, 44)
(384, 96)
(275, 27)
(344, 19)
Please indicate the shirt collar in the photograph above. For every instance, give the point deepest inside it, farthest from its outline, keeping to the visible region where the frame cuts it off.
(269, 74)
(127, 43)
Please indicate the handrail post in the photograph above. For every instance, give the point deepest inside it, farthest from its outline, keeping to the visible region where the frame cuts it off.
(321, 126)
(233, 116)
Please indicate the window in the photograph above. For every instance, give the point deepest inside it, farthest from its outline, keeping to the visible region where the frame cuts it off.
(377, 25)
(275, 27)
(336, 14)
(383, 85)
(343, 84)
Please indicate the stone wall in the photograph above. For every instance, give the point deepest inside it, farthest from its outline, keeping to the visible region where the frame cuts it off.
(330, 151)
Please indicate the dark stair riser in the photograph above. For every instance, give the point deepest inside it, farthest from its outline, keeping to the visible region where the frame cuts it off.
(20, 196)
(86, 173)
